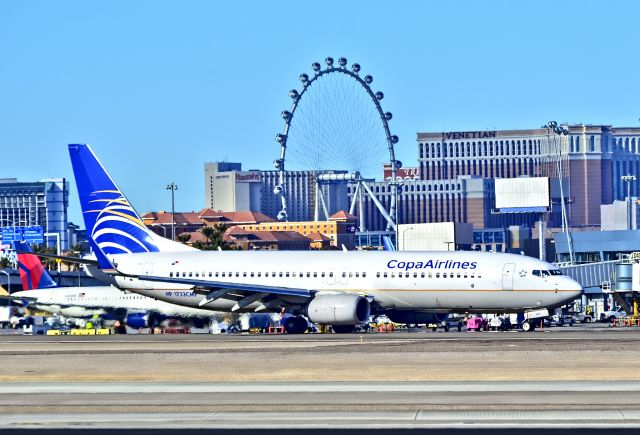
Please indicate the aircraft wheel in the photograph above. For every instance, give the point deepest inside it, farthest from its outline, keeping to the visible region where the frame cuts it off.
(587, 319)
(526, 327)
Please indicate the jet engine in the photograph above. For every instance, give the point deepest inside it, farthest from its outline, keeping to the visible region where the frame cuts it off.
(137, 320)
(142, 320)
(339, 309)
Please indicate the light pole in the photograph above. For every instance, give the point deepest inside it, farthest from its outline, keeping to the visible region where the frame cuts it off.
(558, 132)
(173, 187)
(628, 179)
(404, 230)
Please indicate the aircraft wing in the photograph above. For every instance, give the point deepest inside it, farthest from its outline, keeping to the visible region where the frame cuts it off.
(25, 300)
(243, 293)
(214, 285)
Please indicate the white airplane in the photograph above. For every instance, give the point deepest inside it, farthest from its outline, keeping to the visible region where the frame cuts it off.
(337, 288)
(138, 311)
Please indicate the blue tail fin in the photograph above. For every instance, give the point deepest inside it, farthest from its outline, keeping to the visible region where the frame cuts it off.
(112, 224)
(32, 274)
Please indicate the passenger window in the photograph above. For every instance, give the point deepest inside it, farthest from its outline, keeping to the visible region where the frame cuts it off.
(315, 274)
(197, 274)
(465, 275)
(444, 275)
(438, 275)
(287, 274)
(357, 274)
(280, 274)
(273, 274)
(385, 274)
(216, 274)
(308, 274)
(458, 274)
(350, 274)
(322, 274)
(415, 274)
(330, 274)
(210, 274)
(237, 274)
(364, 274)
(190, 274)
(422, 275)
(344, 274)
(259, 274)
(251, 274)
(393, 274)
(170, 274)
(377, 274)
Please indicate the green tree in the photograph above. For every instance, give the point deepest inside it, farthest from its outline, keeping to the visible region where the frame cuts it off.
(183, 238)
(214, 238)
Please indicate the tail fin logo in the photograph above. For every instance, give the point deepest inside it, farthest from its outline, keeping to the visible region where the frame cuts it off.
(118, 228)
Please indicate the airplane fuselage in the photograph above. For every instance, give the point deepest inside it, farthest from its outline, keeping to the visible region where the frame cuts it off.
(89, 301)
(461, 281)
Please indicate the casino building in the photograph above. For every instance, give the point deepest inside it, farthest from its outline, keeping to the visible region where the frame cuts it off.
(593, 159)
(230, 189)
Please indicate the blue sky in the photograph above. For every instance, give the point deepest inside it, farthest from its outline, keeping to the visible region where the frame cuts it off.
(158, 88)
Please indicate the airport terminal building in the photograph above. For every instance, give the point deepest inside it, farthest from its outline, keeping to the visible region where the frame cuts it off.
(41, 203)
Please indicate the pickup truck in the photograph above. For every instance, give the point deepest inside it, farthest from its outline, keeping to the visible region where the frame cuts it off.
(608, 316)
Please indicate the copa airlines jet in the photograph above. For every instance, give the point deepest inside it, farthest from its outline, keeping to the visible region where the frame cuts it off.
(41, 292)
(337, 288)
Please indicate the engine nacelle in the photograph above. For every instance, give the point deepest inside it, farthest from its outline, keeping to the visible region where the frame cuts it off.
(339, 309)
(137, 320)
(400, 316)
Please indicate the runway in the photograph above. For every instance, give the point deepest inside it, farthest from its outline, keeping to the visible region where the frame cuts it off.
(586, 376)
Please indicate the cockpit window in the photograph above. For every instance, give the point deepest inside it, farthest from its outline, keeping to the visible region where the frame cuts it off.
(545, 273)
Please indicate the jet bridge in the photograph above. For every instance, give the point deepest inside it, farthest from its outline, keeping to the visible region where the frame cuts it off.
(620, 278)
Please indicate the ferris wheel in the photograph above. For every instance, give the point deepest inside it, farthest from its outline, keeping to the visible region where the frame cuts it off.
(337, 130)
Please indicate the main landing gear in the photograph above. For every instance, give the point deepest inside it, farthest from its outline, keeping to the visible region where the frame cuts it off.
(528, 326)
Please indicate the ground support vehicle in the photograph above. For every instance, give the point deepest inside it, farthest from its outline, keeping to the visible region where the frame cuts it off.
(446, 325)
(499, 324)
(608, 316)
(477, 324)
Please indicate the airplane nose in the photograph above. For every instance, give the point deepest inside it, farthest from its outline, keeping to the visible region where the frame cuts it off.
(575, 287)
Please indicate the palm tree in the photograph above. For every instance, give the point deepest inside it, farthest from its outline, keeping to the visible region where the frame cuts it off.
(183, 238)
(214, 237)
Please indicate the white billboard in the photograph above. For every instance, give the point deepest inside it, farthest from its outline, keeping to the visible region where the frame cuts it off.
(522, 193)
(436, 236)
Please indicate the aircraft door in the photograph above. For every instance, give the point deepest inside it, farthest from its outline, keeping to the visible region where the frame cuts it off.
(507, 276)
(147, 269)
